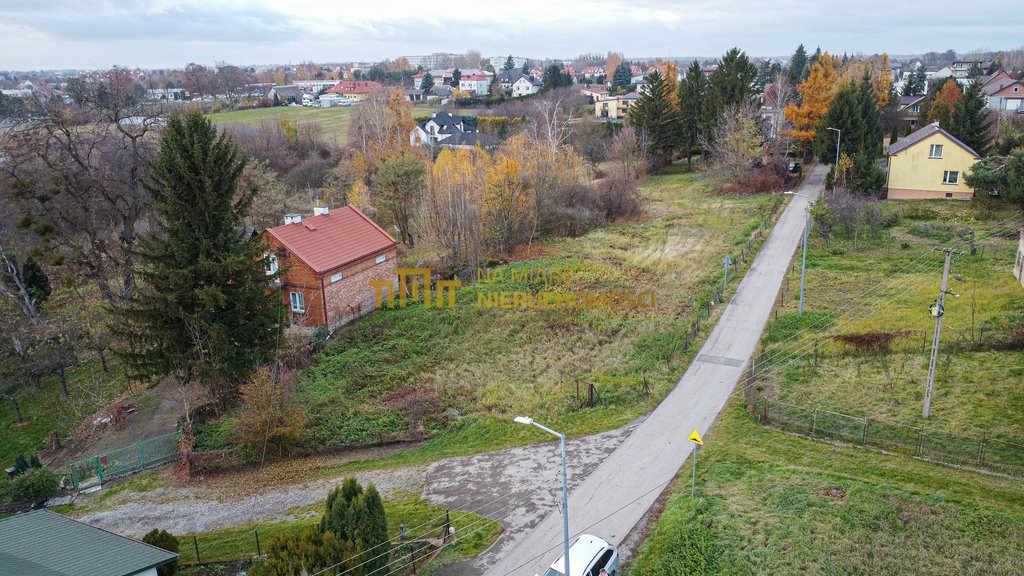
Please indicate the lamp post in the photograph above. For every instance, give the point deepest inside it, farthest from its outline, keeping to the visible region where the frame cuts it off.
(835, 170)
(803, 265)
(565, 486)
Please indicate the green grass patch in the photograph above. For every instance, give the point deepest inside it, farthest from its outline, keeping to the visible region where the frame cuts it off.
(239, 542)
(773, 503)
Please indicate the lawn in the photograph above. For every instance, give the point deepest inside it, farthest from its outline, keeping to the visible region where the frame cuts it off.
(334, 121)
(421, 519)
(772, 503)
(460, 374)
(885, 284)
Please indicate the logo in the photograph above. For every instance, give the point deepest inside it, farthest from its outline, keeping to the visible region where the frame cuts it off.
(491, 291)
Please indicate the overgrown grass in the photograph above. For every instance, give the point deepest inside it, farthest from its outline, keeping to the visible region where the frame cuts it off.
(470, 369)
(333, 121)
(885, 284)
(773, 503)
(239, 542)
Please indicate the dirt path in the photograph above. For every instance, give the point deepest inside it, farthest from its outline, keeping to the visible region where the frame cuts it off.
(517, 487)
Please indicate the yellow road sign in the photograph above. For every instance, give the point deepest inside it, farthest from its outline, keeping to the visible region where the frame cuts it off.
(695, 437)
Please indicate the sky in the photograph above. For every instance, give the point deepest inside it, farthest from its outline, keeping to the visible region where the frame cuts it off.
(97, 34)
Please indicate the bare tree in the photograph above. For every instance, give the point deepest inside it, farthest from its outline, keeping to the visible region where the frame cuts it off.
(736, 140)
(776, 96)
(79, 170)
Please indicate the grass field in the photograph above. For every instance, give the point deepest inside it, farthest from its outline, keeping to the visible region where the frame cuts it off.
(467, 370)
(772, 503)
(977, 390)
(239, 542)
(334, 121)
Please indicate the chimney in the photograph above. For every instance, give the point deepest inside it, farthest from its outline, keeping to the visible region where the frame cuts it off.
(292, 218)
(320, 208)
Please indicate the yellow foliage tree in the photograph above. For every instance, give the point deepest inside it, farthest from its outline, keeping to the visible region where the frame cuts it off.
(816, 93)
(451, 205)
(672, 82)
(269, 420)
(507, 204)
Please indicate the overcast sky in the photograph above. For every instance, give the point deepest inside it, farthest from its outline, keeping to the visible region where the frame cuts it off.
(38, 34)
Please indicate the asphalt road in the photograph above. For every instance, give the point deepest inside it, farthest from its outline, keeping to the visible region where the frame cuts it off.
(615, 496)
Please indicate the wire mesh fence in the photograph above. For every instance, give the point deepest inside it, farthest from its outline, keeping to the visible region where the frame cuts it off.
(129, 459)
(933, 445)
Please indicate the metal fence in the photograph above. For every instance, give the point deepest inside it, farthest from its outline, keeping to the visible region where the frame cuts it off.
(933, 445)
(123, 461)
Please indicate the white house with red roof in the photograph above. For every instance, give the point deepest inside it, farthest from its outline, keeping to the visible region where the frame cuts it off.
(355, 89)
(327, 263)
(475, 83)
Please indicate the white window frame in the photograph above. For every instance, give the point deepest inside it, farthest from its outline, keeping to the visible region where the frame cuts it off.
(271, 267)
(946, 178)
(336, 277)
(935, 151)
(382, 258)
(298, 302)
(916, 109)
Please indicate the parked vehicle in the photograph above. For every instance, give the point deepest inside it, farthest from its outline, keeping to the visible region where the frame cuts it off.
(588, 554)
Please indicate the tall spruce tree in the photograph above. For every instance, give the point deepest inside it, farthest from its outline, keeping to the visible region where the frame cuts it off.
(692, 93)
(655, 115)
(843, 114)
(731, 84)
(510, 64)
(206, 312)
(456, 77)
(622, 77)
(970, 120)
(797, 64)
(873, 133)
(427, 84)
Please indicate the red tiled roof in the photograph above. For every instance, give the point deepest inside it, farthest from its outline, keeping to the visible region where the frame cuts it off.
(331, 240)
(474, 77)
(354, 87)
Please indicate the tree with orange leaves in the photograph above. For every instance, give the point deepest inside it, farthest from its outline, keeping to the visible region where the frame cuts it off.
(945, 102)
(816, 94)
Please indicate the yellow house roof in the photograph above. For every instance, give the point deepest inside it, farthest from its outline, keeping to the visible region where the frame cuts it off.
(922, 134)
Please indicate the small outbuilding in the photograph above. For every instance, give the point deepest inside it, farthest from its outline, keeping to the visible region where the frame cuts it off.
(44, 543)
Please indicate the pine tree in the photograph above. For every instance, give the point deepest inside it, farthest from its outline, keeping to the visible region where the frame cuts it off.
(623, 76)
(510, 64)
(843, 114)
(206, 311)
(873, 133)
(427, 84)
(970, 121)
(456, 77)
(797, 64)
(164, 540)
(894, 136)
(692, 93)
(371, 527)
(526, 67)
(656, 116)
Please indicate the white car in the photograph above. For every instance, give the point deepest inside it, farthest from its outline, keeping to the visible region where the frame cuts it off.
(588, 554)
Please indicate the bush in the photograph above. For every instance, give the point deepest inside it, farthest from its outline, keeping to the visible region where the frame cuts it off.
(166, 541)
(34, 485)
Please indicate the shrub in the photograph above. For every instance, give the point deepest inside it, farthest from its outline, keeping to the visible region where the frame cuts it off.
(34, 485)
(166, 541)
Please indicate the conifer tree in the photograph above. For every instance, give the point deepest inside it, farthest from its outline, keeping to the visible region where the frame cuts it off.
(623, 76)
(510, 64)
(873, 132)
(692, 93)
(655, 115)
(843, 114)
(797, 64)
(456, 77)
(427, 84)
(970, 121)
(206, 311)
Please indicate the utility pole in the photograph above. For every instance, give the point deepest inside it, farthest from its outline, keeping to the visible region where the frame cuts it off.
(938, 311)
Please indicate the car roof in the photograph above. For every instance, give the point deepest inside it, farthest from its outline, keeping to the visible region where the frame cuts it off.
(584, 549)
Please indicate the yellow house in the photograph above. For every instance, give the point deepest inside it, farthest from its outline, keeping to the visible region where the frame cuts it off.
(614, 107)
(930, 163)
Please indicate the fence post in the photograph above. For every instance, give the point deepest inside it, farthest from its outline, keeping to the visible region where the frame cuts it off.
(258, 551)
(981, 451)
(814, 421)
(864, 434)
(99, 469)
(196, 544)
(139, 452)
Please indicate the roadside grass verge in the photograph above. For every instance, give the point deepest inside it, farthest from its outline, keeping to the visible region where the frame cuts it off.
(239, 542)
(774, 503)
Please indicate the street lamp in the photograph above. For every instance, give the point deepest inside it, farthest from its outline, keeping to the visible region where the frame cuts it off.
(835, 170)
(803, 265)
(565, 485)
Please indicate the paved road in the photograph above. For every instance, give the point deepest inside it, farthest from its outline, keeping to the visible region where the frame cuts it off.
(618, 493)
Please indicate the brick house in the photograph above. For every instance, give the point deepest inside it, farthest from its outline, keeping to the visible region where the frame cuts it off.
(328, 261)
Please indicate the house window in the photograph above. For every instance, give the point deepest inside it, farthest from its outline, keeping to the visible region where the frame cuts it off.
(298, 302)
(382, 258)
(950, 177)
(270, 264)
(935, 151)
(336, 277)
(916, 109)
